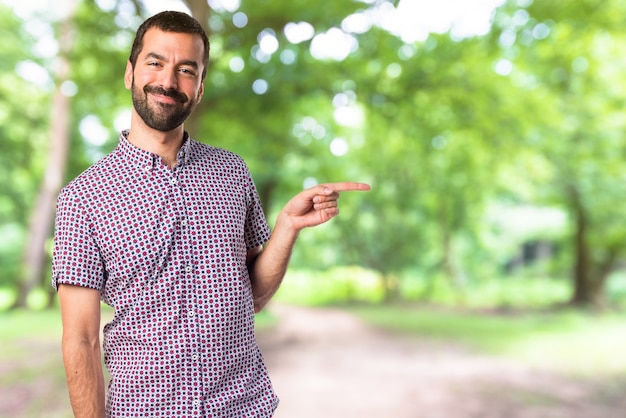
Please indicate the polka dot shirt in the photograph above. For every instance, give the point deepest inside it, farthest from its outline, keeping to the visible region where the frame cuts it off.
(167, 249)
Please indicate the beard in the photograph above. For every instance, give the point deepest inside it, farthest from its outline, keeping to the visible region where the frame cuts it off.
(163, 117)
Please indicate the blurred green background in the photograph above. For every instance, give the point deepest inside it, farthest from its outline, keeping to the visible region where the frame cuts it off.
(493, 134)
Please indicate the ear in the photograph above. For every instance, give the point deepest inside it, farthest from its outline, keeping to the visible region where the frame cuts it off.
(128, 76)
(200, 92)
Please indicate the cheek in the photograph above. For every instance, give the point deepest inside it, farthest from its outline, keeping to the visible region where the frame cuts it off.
(142, 78)
(192, 91)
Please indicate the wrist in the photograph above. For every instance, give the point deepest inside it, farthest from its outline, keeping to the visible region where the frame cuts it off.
(285, 227)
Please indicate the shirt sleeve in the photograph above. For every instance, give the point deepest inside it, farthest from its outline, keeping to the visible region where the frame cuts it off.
(76, 258)
(257, 231)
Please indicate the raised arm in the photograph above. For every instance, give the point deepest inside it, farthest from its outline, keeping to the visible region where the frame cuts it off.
(308, 208)
(80, 314)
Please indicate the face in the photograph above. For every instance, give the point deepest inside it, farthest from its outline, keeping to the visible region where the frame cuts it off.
(166, 83)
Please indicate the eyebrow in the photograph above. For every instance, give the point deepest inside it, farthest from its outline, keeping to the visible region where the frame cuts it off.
(154, 55)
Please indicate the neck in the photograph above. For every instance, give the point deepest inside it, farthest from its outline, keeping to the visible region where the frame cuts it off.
(163, 144)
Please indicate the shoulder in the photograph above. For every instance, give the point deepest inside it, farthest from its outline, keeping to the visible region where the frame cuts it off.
(88, 185)
(219, 156)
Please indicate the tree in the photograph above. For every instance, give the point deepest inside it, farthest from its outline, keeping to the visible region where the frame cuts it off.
(35, 259)
(572, 61)
(440, 127)
(21, 132)
(440, 124)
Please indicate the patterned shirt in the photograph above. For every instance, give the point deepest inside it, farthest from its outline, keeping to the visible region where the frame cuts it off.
(167, 249)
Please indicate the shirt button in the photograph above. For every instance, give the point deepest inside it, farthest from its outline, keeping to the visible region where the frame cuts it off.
(173, 182)
(147, 168)
(188, 268)
(190, 313)
(196, 402)
(183, 222)
(195, 357)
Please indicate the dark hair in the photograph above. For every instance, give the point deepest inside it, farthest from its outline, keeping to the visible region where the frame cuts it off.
(170, 21)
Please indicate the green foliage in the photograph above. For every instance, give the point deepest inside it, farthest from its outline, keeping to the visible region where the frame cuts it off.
(446, 130)
(22, 130)
(98, 64)
(357, 285)
(337, 285)
(10, 253)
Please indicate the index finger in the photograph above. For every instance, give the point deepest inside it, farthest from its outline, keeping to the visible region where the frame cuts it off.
(347, 186)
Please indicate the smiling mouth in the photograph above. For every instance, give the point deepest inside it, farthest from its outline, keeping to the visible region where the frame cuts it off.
(165, 96)
(165, 99)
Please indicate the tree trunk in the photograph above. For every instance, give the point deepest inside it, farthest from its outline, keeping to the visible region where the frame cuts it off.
(588, 287)
(445, 267)
(452, 273)
(35, 258)
(391, 288)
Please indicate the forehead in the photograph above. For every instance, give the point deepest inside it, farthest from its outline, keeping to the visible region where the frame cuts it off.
(173, 45)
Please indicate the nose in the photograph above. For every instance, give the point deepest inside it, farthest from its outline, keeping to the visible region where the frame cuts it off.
(168, 79)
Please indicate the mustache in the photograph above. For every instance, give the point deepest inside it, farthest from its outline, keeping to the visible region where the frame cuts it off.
(175, 94)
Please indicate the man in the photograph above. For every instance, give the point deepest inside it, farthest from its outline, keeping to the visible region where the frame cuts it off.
(170, 232)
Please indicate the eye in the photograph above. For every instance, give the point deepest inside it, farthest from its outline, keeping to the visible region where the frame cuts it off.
(187, 71)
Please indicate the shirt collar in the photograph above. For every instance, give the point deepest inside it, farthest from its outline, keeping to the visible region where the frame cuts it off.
(184, 153)
(148, 160)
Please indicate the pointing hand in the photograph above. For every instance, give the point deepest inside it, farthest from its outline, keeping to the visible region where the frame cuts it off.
(318, 204)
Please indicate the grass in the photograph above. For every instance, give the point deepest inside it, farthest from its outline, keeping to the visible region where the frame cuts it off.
(567, 341)
(31, 369)
(18, 323)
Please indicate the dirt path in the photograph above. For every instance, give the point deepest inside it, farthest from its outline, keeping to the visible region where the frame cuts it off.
(326, 363)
